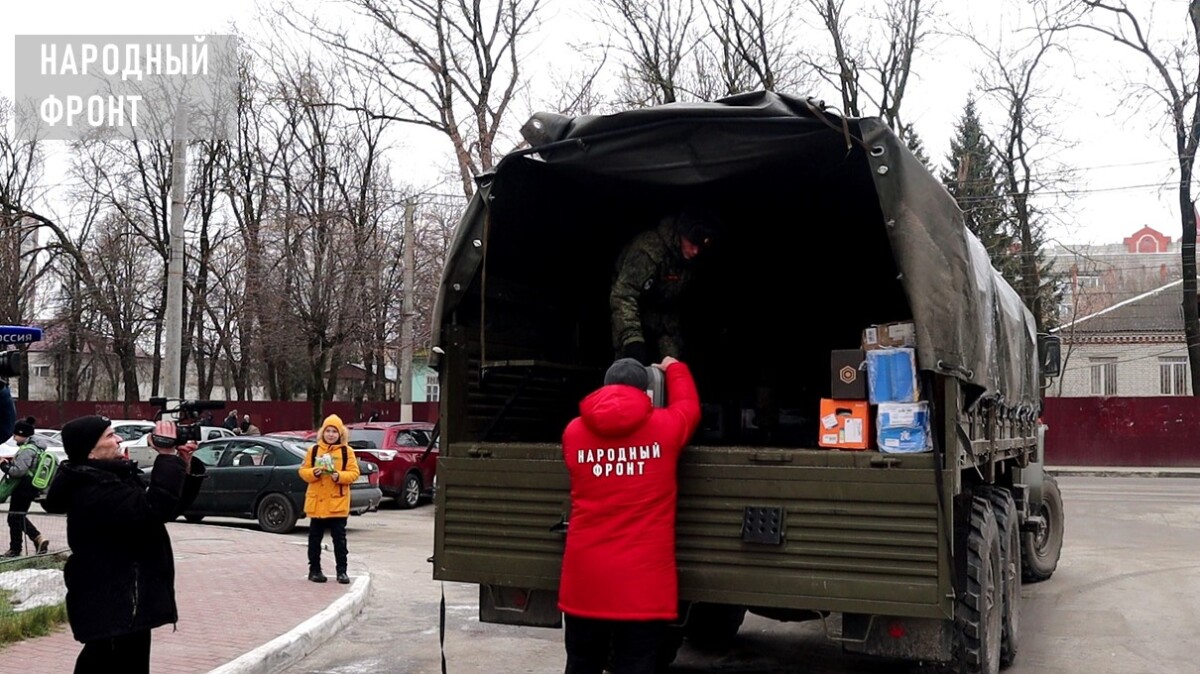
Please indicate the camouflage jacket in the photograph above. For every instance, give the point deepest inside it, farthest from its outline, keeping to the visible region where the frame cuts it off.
(650, 276)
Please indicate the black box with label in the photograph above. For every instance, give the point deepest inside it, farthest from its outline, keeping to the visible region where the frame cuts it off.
(848, 374)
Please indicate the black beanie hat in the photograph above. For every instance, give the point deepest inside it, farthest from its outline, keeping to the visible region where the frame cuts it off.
(627, 371)
(24, 427)
(79, 436)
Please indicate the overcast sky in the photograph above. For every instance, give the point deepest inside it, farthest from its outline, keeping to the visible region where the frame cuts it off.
(1125, 162)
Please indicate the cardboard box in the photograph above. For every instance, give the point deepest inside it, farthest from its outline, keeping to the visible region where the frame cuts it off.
(848, 374)
(892, 376)
(904, 428)
(845, 424)
(885, 335)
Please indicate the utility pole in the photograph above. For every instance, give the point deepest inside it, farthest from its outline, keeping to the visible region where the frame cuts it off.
(173, 330)
(406, 349)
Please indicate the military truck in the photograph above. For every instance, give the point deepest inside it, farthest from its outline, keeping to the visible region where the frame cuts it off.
(829, 225)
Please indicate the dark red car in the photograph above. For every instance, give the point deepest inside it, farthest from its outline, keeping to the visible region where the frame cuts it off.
(406, 470)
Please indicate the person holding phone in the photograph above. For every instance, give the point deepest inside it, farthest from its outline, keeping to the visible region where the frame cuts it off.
(120, 576)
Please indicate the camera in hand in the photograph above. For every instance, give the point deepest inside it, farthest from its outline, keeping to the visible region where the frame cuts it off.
(187, 419)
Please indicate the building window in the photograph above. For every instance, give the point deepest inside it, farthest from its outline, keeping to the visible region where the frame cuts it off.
(1104, 376)
(1087, 281)
(1173, 376)
(433, 390)
(42, 371)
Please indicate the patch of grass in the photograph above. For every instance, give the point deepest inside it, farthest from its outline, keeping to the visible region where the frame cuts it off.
(34, 562)
(16, 626)
(19, 625)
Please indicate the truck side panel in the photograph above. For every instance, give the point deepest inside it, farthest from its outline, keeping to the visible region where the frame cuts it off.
(853, 537)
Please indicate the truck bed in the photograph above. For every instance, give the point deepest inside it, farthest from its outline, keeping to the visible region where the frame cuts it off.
(857, 531)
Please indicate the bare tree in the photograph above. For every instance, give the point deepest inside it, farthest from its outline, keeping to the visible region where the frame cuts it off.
(875, 64)
(451, 66)
(20, 174)
(1013, 79)
(1177, 67)
(752, 43)
(657, 38)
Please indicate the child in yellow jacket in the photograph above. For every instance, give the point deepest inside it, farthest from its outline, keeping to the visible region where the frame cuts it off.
(329, 468)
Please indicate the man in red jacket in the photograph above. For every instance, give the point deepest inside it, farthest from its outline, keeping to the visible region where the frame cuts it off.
(619, 589)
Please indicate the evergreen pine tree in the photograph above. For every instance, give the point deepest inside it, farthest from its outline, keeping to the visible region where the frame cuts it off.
(913, 141)
(973, 181)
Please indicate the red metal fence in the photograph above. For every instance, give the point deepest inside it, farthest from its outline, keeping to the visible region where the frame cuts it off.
(1153, 432)
(267, 415)
(1162, 432)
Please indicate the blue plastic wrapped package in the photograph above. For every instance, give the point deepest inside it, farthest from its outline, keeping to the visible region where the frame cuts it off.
(903, 428)
(892, 376)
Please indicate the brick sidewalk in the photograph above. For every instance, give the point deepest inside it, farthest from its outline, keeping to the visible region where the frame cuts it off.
(237, 589)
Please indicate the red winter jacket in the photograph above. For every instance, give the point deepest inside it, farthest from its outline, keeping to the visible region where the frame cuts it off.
(622, 454)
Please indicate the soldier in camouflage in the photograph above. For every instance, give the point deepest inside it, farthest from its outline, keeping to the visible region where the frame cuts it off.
(652, 273)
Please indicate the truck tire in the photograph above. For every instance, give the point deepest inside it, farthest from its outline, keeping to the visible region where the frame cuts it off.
(713, 626)
(978, 623)
(1005, 511)
(1042, 548)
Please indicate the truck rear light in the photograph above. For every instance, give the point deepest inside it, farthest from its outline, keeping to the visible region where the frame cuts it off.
(896, 630)
(373, 479)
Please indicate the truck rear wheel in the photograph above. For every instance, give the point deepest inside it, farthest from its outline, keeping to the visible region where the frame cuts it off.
(980, 605)
(1042, 548)
(1005, 511)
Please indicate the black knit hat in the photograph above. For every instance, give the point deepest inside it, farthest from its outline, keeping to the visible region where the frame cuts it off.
(24, 427)
(698, 226)
(627, 371)
(79, 436)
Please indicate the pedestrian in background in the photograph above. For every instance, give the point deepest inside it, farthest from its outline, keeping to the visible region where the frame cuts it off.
(231, 421)
(248, 427)
(329, 468)
(618, 589)
(20, 468)
(120, 576)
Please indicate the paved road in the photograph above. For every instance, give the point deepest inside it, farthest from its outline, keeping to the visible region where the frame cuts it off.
(1124, 600)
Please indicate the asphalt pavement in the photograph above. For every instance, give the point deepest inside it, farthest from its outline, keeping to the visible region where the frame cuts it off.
(246, 606)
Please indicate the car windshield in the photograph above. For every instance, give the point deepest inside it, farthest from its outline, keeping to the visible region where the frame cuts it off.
(371, 435)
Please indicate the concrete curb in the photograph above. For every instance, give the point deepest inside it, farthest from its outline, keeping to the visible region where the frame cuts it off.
(1102, 471)
(285, 650)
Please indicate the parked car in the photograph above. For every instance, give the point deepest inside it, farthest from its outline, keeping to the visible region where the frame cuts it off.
(8, 448)
(139, 450)
(407, 471)
(257, 477)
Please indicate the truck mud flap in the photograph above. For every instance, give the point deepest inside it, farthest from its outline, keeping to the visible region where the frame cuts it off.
(925, 639)
(519, 606)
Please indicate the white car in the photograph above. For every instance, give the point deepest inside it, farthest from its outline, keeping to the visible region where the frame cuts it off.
(8, 449)
(139, 450)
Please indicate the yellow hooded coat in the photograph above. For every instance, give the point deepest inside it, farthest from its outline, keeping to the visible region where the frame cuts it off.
(327, 497)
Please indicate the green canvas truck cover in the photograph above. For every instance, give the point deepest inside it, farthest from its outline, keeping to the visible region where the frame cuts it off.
(970, 324)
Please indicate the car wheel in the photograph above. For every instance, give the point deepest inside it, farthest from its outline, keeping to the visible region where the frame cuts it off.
(276, 514)
(411, 494)
(194, 519)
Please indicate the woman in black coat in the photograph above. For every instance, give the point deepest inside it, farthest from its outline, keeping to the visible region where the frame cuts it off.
(120, 576)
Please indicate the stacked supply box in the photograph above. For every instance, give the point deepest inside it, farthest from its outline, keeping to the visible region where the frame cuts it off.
(845, 424)
(892, 376)
(890, 335)
(904, 428)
